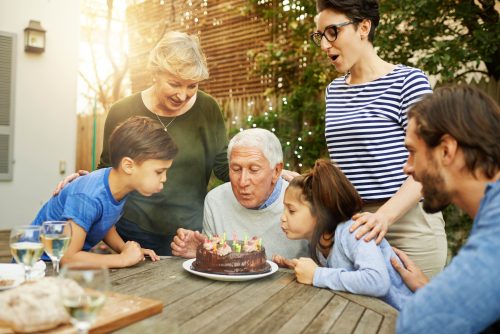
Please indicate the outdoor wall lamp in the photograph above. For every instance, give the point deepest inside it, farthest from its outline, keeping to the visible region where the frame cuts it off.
(34, 37)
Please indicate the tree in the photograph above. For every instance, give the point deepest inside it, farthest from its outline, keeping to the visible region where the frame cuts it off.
(448, 38)
(105, 63)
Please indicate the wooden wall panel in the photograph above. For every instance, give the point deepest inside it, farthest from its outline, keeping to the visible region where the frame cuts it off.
(226, 34)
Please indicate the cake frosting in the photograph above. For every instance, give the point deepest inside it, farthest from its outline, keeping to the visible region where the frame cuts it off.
(231, 257)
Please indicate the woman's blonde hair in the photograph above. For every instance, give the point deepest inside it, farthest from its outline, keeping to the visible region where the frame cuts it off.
(179, 54)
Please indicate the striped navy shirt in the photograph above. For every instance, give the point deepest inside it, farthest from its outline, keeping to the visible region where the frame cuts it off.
(365, 127)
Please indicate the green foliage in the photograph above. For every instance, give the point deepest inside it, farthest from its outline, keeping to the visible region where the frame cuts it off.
(449, 38)
(458, 225)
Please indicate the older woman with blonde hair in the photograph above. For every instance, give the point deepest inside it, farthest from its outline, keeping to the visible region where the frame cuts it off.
(194, 120)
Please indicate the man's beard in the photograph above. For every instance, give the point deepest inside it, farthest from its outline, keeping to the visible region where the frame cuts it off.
(436, 198)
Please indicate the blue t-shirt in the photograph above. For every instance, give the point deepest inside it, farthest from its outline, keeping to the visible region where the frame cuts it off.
(89, 203)
(465, 297)
(361, 267)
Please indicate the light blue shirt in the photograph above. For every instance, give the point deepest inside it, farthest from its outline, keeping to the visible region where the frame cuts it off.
(465, 297)
(89, 203)
(361, 267)
(274, 195)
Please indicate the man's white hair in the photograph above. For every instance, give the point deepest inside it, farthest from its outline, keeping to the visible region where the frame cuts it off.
(262, 139)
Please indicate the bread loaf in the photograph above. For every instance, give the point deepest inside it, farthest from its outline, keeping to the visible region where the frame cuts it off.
(34, 307)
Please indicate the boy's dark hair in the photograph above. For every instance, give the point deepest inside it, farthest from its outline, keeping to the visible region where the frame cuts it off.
(332, 199)
(356, 10)
(140, 138)
(466, 114)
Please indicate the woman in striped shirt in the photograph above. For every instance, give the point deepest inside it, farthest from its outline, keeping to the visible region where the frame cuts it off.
(365, 127)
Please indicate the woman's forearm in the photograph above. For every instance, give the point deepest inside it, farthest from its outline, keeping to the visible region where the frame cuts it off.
(403, 200)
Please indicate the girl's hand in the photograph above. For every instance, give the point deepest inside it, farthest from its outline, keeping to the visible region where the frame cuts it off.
(375, 223)
(151, 254)
(283, 262)
(304, 270)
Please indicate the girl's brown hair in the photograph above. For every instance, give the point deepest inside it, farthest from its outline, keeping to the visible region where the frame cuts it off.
(331, 197)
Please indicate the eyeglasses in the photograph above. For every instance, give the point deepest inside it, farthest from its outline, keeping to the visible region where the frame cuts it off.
(330, 33)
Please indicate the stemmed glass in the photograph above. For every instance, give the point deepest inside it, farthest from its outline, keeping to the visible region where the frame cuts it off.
(56, 236)
(84, 304)
(26, 247)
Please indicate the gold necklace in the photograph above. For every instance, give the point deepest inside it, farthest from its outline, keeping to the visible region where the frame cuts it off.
(164, 126)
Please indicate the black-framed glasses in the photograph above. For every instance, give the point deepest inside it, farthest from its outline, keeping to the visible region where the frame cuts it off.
(330, 33)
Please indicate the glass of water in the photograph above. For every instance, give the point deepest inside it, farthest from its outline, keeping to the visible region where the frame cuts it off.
(83, 305)
(26, 247)
(56, 236)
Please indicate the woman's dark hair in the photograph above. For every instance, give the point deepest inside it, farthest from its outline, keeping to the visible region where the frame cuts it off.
(466, 114)
(140, 138)
(356, 10)
(332, 200)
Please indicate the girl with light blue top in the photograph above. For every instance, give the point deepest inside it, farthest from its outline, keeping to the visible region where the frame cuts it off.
(318, 207)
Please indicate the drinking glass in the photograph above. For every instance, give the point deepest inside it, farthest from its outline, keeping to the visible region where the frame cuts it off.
(26, 247)
(56, 236)
(84, 304)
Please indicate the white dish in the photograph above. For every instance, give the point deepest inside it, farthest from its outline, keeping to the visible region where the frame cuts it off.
(229, 278)
(14, 272)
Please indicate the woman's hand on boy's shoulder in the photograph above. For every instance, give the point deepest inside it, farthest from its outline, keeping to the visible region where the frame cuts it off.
(68, 179)
(304, 270)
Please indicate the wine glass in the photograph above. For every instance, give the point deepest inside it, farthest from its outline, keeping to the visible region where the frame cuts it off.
(84, 304)
(56, 236)
(26, 247)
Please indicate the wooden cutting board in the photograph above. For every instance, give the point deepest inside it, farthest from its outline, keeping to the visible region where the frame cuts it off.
(118, 311)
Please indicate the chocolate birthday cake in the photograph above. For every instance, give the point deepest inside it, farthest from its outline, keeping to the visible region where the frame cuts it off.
(231, 257)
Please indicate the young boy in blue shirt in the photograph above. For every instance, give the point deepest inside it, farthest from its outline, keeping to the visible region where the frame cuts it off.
(141, 152)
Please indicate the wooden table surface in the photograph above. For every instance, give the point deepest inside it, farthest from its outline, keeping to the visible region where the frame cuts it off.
(274, 304)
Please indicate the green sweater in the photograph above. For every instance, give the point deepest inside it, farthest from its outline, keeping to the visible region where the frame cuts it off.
(201, 137)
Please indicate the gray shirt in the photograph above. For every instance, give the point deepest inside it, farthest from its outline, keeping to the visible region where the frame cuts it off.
(223, 213)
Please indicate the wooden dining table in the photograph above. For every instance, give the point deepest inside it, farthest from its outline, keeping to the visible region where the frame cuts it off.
(273, 304)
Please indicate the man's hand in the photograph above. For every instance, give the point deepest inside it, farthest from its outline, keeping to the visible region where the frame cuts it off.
(374, 223)
(151, 254)
(283, 262)
(413, 277)
(67, 180)
(186, 242)
(304, 270)
(131, 253)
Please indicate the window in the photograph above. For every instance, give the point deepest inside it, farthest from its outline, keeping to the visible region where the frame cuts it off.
(7, 66)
